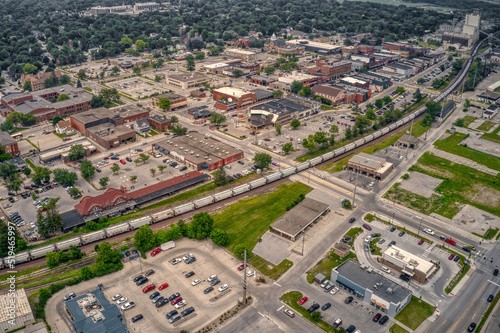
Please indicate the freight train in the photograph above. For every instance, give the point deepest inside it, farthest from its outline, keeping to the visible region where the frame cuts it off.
(116, 229)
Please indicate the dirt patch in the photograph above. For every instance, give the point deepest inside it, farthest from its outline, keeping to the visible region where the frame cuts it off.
(485, 195)
(475, 220)
(421, 184)
(439, 172)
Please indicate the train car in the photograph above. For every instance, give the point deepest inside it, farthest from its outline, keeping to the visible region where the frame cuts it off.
(384, 130)
(19, 258)
(392, 127)
(241, 189)
(411, 116)
(360, 142)
(349, 147)
(204, 201)
(339, 151)
(223, 195)
(377, 134)
(135, 224)
(288, 171)
(1, 263)
(302, 166)
(93, 236)
(258, 182)
(328, 155)
(400, 122)
(316, 160)
(117, 229)
(42, 251)
(183, 208)
(163, 215)
(273, 177)
(65, 244)
(369, 138)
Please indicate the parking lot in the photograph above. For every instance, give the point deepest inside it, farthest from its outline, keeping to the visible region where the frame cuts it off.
(210, 260)
(136, 87)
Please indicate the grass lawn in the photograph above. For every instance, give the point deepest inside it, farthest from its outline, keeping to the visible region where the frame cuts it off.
(452, 145)
(268, 269)
(378, 251)
(291, 298)
(489, 234)
(397, 329)
(493, 136)
(246, 221)
(468, 120)
(486, 126)
(415, 313)
(459, 277)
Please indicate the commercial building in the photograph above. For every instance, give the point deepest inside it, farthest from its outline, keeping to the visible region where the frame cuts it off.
(15, 311)
(407, 263)
(457, 38)
(333, 67)
(128, 61)
(260, 80)
(199, 112)
(17, 161)
(405, 71)
(93, 313)
(489, 97)
(108, 10)
(310, 46)
(9, 144)
(126, 114)
(336, 95)
(186, 81)
(38, 80)
(408, 141)
(370, 165)
(147, 6)
(297, 219)
(160, 123)
(177, 100)
(38, 102)
(248, 56)
(279, 46)
(115, 202)
(371, 287)
(490, 112)
(198, 151)
(229, 98)
(110, 136)
(63, 151)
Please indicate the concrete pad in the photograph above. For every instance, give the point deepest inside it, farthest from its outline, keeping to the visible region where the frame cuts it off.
(24, 146)
(47, 140)
(272, 248)
(475, 220)
(334, 202)
(421, 184)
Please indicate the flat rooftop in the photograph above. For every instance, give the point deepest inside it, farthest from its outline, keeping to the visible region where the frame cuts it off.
(369, 161)
(305, 42)
(128, 59)
(171, 96)
(300, 216)
(22, 306)
(240, 51)
(231, 91)
(409, 259)
(109, 131)
(197, 148)
(216, 65)
(101, 113)
(366, 278)
(187, 77)
(279, 106)
(289, 78)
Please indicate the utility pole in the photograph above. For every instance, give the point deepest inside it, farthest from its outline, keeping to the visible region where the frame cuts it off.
(245, 278)
(355, 186)
(303, 241)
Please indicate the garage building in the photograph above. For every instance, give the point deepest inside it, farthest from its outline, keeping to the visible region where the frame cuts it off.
(297, 219)
(371, 287)
(199, 152)
(22, 315)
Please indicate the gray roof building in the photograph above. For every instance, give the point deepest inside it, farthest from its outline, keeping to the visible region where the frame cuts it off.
(372, 287)
(299, 218)
(93, 313)
(370, 164)
(6, 139)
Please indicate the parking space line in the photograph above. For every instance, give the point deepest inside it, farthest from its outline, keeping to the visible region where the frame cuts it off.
(261, 314)
(281, 307)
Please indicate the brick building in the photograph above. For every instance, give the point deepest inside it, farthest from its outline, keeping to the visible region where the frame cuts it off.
(160, 123)
(334, 67)
(366, 49)
(228, 98)
(370, 165)
(279, 46)
(110, 136)
(38, 102)
(9, 144)
(127, 114)
(404, 262)
(38, 80)
(177, 101)
(186, 80)
(336, 95)
(260, 80)
(199, 152)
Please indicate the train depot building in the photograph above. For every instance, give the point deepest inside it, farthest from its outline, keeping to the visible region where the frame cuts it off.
(370, 165)
(199, 152)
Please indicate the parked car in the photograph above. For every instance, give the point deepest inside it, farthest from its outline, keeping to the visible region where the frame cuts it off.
(383, 320)
(69, 296)
(420, 242)
(495, 272)
(195, 282)
(121, 300)
(334, 290)
(150, 272)
(367, 227)
(209, 289)
(155, 294)
(352, 219)
(187, 311)
(176, 261)
(128, 159)
(302, 300)
(348, 300)
(163, 286)
(136, 318)
(215, 282)
(392, 229)
(127, 306)
(190, 260)
(155, 252)
(289, 313)
(401, 234)
(377, 317)
(211, 278)
(148, 288)
(326, 306)
(313, 307)
(241, 267)
(180, 304)
(451, 256)
(171, 314)
(141, 281)
(392, 243)
(223, 287)
(337, 323)
(250, 273)
(176, 300)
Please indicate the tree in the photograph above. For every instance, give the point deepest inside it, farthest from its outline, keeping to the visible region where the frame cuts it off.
(28, 119)
(200, 55)
(87, 169)
(144, 158)
(136, 70)
(6, 126)
(115, 168)
(27, 86)
(115, 69)
(52, 259)
(81, 74)
(140, 45)
(51, 221)
(238, 72)
(362, 122)
(450, 57)
(133, 178)
(287, 147)
(157, 78)
(107, 259)
(7, 170)
(201, 226)
(65, 79)
(334, 129)
(262, 160)
(164, 103)
(239, 251)
(62, 97)
(75, 192)
(296, 86)
(348, 133)
(295, 123)
(14, 117)
(220, 176)
(161, 168)
(316, 316)
(178, 130)
(27, 171)
(379, 103)
(153, 171)
(76, 152)
(29, 68)
(417, 95)
(269, 70)
(305, 91)
(75, 252)
(219, 237)
(96, 102)
(386, 99)
(109, 94)
(104, 181)
(41, 174)
(277, 93)
(467, 103)
(174, 119)
(217, 118)
(421, 80)
(190, 65)
(144, 239)
(86, 273)
(277, 127)
(65, 177)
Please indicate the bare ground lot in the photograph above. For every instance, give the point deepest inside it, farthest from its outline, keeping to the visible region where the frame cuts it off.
(421, 184)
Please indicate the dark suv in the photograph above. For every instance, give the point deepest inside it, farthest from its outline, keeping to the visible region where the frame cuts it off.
(187, 311)
(313, 308)
(150, 272)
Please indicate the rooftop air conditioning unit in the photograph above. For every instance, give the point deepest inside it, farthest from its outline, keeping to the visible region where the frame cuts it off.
(197, 155)
(211, 146)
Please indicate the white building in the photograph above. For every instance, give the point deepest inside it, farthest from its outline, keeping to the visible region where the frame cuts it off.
(15, 311)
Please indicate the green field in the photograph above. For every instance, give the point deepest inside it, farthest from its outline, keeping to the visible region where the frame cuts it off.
(248, 219)
(397, 329)
(468, 120)
(415, 313)
(461, 185)
(493, 136)
(452, 145)
(486, 126)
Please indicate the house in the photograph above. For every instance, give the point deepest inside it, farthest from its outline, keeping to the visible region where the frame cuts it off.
(64, 127)
(9, 144)
(160, 123)
(142, 127)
